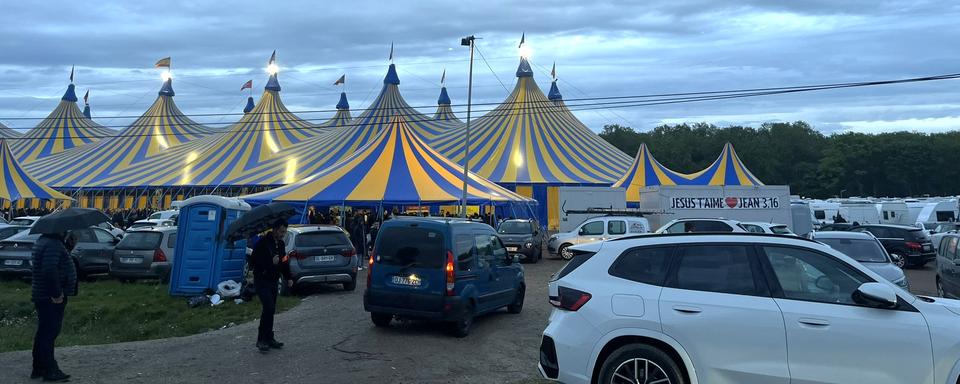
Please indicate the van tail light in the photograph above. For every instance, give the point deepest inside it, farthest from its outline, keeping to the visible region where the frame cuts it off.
(570, 299)
(451, 278)
(370, 268)
(159, 256)
(349, 252)
(914, 246)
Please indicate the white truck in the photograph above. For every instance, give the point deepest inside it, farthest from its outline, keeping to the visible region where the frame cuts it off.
(765, 203)
(586, 198)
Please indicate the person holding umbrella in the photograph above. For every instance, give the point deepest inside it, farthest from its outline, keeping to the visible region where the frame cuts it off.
(54, 280)
(266, 262)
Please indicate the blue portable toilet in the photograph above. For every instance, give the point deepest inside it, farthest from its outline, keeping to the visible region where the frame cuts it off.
(203, 257)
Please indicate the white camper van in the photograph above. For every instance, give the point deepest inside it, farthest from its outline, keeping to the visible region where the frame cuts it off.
(824, 211)
(894, 212)
(923, 213)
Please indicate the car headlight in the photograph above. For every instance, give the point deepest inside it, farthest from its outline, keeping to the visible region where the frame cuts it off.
(528, 245)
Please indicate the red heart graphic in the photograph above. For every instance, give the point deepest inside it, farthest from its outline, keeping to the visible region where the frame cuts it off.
(731, 202)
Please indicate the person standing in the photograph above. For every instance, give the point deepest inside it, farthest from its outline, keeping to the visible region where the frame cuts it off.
(266, 262)
(54, 279)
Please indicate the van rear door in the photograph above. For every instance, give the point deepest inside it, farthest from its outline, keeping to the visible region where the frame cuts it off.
(408, 270)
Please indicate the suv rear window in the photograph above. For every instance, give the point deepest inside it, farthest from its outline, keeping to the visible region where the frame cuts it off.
(577, 260)
(140, 241)
(917, 234)
(643, 265)
(411, 245)
(321, 239)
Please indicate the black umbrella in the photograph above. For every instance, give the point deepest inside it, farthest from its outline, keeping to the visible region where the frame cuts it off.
(258, 219)
(68, 219)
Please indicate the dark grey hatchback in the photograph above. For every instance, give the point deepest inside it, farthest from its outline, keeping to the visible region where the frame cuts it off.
(522, 237)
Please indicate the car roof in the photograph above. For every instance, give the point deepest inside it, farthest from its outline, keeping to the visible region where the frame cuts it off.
(432, 220)
(517, 220)
(706, 219)
(841, 235)
(153, 229)
(893, 226)
(27, 217)
(304, 228)
(707, 237)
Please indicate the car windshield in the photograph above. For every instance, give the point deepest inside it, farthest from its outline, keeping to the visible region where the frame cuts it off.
(514, 228)
(781, 230)
(947, 227)
(140, 240)
(862, 250)
(410, 246)
(321, 239)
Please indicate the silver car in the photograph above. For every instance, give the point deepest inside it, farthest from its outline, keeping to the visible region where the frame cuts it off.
(594, 230)
(145, 253)
(320, 254)
(866, 249)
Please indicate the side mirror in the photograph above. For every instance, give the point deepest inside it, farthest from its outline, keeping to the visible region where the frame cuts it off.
(876, 295)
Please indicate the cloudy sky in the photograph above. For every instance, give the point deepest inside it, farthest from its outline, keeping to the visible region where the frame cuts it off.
(601, 48)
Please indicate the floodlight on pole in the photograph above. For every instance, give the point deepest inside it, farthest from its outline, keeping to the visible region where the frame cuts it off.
(467, 42)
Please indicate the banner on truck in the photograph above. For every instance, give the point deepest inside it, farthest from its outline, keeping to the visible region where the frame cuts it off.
(731, 202)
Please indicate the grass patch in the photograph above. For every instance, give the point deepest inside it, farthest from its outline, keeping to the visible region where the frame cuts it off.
(110, 312)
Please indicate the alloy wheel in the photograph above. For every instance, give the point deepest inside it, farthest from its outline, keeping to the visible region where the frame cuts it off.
(639, 371)
(566, 253)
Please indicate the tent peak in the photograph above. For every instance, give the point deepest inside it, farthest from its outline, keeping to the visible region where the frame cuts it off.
(392, 77)
(273, 84)
(444, 98)
(249, 106)
(70, 95)
(167, 88)
(343, 104)
(554, 92)
(524, 70)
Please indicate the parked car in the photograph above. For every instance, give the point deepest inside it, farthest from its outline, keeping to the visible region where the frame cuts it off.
(701, 225)
(522, 237)
(107, 226)
(7, 230)
(910, 244)
(868, 251)
(145, 253)
(948, 267)
(320, 254)
(769, 228)
(92, 254)
(941, 231)
(441, 269)
(594, 230)
(147, 223)
(170, 214)
(740, 308)
(24, 220)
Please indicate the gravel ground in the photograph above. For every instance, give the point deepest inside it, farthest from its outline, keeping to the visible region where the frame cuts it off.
(329, 338)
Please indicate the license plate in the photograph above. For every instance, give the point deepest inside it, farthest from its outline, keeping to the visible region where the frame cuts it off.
(13, 262)
(512, 249)
(926, 247)
(404, 280)
(131, 260)
(321, 259)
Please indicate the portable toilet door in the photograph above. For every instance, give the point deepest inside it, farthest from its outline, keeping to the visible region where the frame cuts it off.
(200, 250)
(228, 265)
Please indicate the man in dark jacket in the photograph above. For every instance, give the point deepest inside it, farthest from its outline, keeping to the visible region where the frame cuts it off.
(266, 263)
(54, 279)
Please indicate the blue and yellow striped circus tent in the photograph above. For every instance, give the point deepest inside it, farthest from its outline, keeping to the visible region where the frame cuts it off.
(444, 112)
(18, 184)
(728, 169)
(395, 168)
(529, 140)
(63, 129)
(534, 145)
(8, 133)
(161, 130)
(254, 140)
(343, 140)
(646, 171)
(342, 118)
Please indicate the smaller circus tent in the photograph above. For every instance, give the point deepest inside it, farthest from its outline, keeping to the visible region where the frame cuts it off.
(344, 139)
(8, 133)
(644, 172)
(64, 128)
(254, 140)
(161, 130)
(342, 118)
(395, 168)
(727, 170)
(444, 112)
(17, 184)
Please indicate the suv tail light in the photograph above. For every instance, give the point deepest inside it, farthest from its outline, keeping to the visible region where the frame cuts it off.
(370, 267)
(159, 256)
(294, 255)
(451, 278)
(349, 252)
(914, 245)
(570, 299)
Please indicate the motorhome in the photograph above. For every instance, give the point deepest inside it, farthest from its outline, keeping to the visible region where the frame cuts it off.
(823, 211)
(893, 212)
(929, 212)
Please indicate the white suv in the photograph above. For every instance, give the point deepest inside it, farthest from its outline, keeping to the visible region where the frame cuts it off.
(701, 225)
(740, 309)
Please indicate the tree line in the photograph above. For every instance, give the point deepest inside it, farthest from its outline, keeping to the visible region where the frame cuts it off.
(897, 164)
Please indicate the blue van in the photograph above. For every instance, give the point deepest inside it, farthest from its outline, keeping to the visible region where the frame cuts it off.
(441, 269)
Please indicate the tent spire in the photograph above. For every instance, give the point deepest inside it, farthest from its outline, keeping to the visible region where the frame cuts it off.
(554, 94)
(70, 95)
(249, 106)
(392, 77)
(167, 88)
(343, 104)
(444, 98)
(524, 70)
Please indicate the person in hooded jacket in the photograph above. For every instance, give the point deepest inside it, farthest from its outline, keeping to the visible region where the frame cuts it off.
(54, 279)
(266, 260)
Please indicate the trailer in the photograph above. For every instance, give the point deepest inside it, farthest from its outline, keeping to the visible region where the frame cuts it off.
(824, 212)
(584, 203)
(894, 212)
(857, 211)
(922, 213)
(762, 203)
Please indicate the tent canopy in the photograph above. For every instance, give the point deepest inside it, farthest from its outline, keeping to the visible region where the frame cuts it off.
(8, 133)
(728, 169)
(162, 129)
(397, 167)
(63, 129)
(647, 171)
(444, 112)
(18, 184)
(528, 139)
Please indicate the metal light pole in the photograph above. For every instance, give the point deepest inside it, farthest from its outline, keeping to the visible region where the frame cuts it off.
(467, 41)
